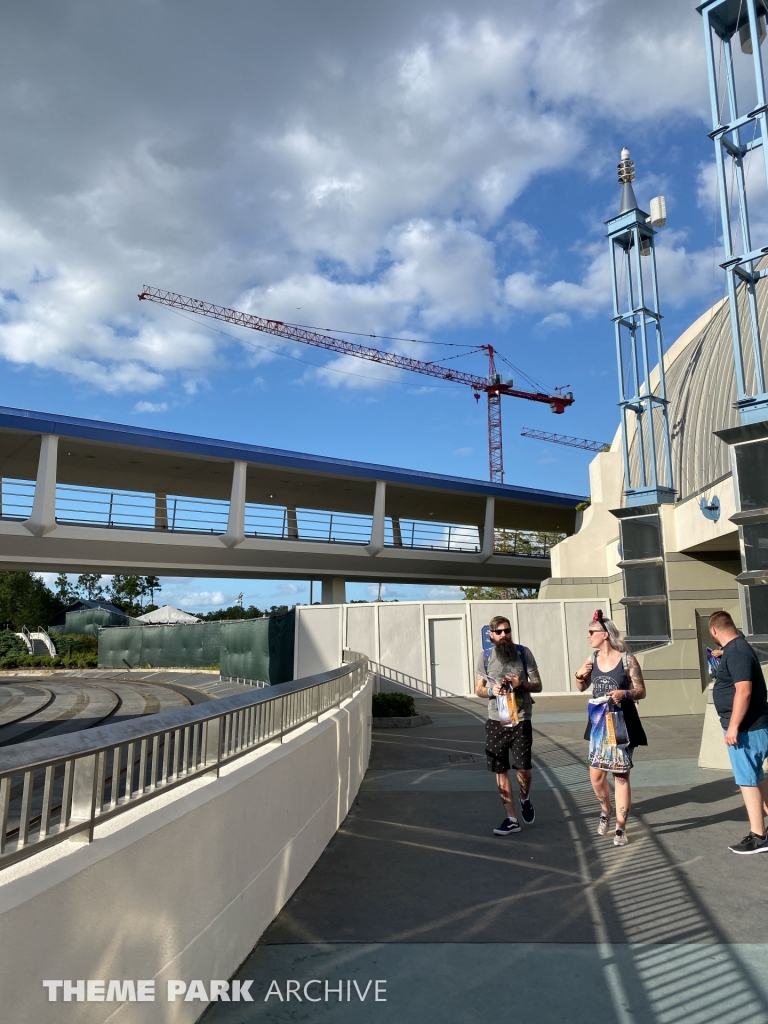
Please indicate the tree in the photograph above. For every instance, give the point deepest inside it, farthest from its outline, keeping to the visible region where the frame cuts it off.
(499, 593)
(89, 583)
(26, 601)
(64, 591)
(234, 611)
(126, 593)
(151, 584)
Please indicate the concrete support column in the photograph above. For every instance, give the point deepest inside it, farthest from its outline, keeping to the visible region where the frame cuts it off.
(43, 517)
(161, 510)
(292, 524)
(334, 591)
(236, 520)
(487, 530)
(377, 526)
(397, 533)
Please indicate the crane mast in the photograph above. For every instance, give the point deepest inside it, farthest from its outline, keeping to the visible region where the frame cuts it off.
(492, 386)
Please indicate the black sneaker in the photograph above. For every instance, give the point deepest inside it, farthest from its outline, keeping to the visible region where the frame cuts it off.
(751, 844)
(507, 827)
(529, 814)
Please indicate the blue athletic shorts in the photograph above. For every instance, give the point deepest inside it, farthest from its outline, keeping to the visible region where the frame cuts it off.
(748, 755)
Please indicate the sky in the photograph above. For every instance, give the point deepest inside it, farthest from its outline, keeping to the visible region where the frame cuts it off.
(427, 170)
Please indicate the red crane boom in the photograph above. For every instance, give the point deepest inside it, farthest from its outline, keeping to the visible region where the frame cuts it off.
(493, 386)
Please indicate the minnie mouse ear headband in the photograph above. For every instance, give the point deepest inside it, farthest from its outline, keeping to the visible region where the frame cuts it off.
(598, 617)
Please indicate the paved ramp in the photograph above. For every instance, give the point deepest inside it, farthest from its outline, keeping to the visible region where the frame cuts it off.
(554, 925)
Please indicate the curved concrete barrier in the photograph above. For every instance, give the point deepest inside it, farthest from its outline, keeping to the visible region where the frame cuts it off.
(182, 887)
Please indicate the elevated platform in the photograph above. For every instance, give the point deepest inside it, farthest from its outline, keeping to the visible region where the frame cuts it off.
(83, 494)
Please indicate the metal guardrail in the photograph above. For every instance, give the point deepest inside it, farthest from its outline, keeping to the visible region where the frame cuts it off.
(134, 510)
(60, 788)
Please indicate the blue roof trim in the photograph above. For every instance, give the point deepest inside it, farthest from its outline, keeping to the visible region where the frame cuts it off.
(164, 440)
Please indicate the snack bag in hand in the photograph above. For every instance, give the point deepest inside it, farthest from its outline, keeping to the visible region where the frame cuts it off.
(506, 704)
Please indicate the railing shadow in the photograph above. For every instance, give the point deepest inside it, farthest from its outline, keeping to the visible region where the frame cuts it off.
(675, 964)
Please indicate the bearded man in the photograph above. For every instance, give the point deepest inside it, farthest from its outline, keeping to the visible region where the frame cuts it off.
(509, 672)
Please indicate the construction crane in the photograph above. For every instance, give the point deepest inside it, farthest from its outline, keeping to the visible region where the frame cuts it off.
(492, 385)
(571, 442)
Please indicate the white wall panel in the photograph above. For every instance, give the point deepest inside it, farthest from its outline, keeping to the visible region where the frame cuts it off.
(318, 639)
(401, 638)
(361, 629)
(541, 629)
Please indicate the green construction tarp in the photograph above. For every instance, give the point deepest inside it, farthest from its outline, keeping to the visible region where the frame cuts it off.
(255, 649)
(88, 621)
(245, 649)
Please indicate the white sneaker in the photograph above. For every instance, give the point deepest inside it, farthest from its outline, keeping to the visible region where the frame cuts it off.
(620, 837)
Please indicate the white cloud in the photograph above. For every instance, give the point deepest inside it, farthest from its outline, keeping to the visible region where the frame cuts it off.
(554, 322)
(445, 594)
(151, 407)
(357, 167)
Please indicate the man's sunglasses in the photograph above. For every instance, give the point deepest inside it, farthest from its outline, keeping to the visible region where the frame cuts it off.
(502, 632)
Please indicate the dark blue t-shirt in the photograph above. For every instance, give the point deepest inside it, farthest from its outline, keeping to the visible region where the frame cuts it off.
(739, 662)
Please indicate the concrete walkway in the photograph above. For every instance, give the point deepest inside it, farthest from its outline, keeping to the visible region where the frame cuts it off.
(551, 926)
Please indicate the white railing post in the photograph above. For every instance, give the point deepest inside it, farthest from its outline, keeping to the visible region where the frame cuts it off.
(236, 520)
(212, 754)
(84, 797)
(43, 517)
(376, 543)
(486, 548)
(161, 510)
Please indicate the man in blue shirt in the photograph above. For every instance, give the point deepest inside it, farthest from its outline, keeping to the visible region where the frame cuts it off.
(741, 703)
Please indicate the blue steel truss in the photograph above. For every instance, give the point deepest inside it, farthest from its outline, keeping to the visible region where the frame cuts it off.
(724, 19)
(637, 323)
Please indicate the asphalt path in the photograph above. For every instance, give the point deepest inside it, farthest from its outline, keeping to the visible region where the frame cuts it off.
(553, 925)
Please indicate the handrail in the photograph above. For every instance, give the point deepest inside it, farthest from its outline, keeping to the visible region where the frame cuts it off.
(61, 787)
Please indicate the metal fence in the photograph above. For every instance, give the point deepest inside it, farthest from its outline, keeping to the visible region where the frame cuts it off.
(135, 510)
(59, 788)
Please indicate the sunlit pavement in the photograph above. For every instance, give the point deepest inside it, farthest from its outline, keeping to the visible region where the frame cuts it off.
(554, 924)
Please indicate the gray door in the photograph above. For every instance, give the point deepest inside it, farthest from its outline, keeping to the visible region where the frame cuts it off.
(447, 657)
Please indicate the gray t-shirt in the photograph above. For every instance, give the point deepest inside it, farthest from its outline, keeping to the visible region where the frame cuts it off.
(499, 667)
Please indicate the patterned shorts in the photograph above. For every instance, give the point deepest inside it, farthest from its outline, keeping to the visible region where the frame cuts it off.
(505, 744)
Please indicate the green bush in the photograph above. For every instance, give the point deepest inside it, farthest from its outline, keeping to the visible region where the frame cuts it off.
(11, 646)
(73, 651)
(392, 705)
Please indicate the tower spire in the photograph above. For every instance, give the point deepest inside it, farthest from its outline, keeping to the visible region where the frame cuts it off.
(626, 171)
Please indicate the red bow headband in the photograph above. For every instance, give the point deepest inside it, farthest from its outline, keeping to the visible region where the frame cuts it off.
(598, 617)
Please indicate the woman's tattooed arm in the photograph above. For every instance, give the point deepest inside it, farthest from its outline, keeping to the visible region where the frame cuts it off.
(637, 691)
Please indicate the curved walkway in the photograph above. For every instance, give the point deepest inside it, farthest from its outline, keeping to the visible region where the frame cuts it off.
(551, 926)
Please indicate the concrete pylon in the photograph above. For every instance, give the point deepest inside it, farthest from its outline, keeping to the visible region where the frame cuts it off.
(334, 591)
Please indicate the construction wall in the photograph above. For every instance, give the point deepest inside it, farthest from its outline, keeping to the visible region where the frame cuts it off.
(432, 647)
(255, 649)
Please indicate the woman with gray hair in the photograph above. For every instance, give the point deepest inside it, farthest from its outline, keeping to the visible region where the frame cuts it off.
(614, 728)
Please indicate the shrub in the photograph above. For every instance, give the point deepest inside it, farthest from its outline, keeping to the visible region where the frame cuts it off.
(392, 705)
(11, 646)
(73, 651)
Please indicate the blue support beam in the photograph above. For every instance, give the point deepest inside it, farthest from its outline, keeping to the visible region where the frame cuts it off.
(744, 21)
(639, 346)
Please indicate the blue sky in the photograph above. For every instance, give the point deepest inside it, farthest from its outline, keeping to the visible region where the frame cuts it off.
(433, 170)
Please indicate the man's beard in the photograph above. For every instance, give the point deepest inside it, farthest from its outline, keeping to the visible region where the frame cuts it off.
(506, 649)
